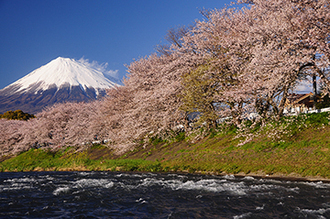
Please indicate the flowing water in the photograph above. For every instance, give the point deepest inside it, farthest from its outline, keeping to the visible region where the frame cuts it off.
(149, 195)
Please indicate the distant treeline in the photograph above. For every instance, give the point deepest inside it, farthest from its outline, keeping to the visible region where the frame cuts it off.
(17, 115)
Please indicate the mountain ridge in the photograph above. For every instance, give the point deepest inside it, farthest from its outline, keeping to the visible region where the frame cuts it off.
(60, 80)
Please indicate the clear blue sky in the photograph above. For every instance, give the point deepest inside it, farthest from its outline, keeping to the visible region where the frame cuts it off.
(34, 32)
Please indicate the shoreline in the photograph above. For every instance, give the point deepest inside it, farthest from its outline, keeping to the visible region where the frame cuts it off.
(276, 176)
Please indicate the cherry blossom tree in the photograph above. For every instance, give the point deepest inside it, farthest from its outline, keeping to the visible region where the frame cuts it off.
(62, 125)
(69, 124)
(12, 132)
(147, 104)
(264, 48)
(288, 41)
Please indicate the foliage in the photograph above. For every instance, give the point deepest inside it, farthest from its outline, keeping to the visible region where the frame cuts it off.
(198, 96)
(323, 102)
(17, 115)
(155, 140)
(180, 136)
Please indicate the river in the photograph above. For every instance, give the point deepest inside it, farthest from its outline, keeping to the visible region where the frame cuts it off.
(162, 195)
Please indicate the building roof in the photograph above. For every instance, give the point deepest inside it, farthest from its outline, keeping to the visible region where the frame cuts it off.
(294, 99)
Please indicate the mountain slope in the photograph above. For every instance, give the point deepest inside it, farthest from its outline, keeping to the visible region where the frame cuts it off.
(60, 80)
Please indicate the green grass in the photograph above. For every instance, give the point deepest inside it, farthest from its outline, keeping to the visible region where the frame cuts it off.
(37, 159)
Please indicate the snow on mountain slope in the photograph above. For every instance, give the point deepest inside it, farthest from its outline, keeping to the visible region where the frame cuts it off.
(61, 80)
(63, 72)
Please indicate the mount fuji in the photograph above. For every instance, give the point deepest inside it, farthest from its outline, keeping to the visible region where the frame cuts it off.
(61, 80)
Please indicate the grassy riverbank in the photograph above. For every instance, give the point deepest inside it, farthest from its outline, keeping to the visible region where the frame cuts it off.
(294, 147)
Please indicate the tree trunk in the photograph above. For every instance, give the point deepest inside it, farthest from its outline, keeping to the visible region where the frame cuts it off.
(314, 91)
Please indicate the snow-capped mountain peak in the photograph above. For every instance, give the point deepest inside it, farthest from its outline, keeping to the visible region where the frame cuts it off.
(61, 80)
(63, 72)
